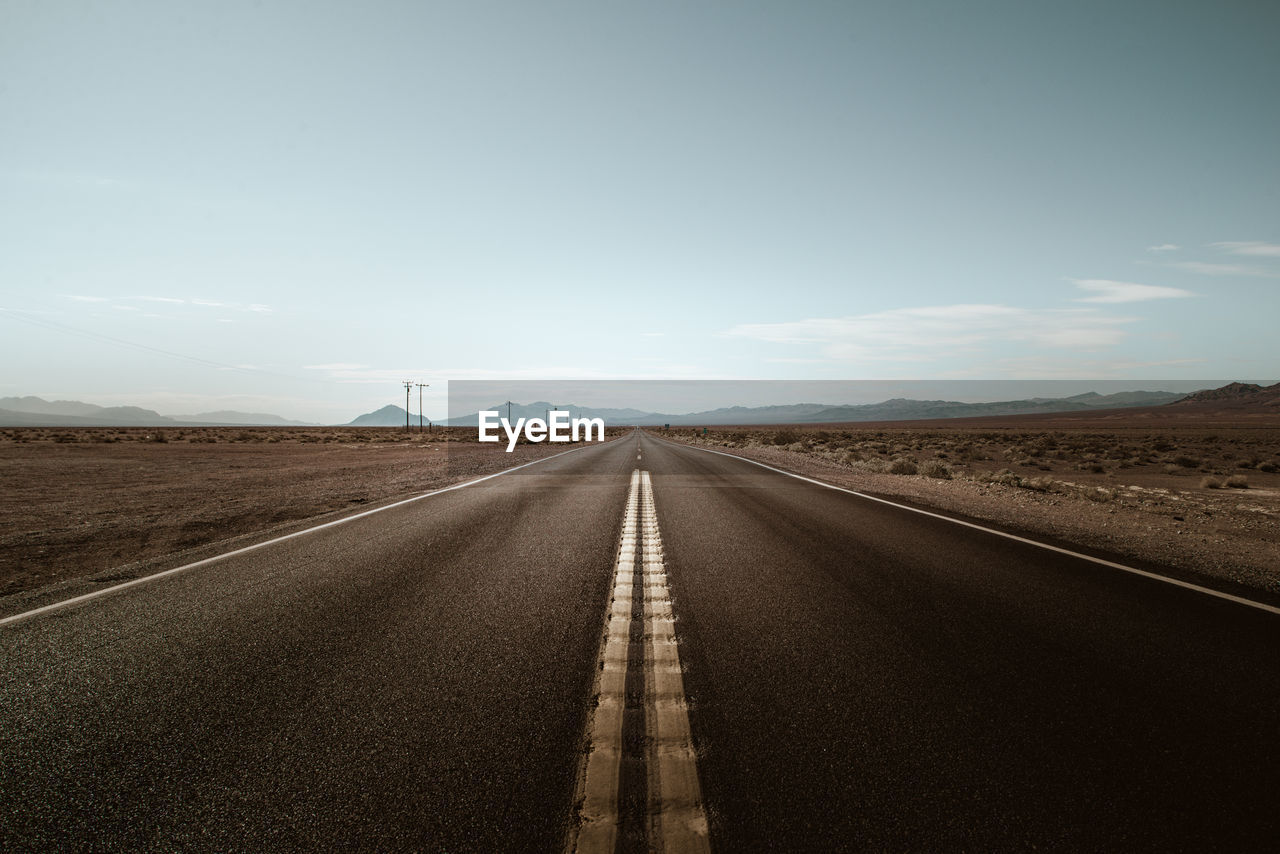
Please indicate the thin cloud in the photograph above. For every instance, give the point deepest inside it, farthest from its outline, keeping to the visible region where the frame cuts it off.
(365, 375)
(1164, 247)
(1108, 291)
(79, 298)
(170, 300)
(1219, 269)
(1250, 247)
(1043, 368)
(335, 366)
(73, 180)
(930, 333)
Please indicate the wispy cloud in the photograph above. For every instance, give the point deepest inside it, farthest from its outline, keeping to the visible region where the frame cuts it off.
(72, 180)
(929, 333)
(1043, 368)
(1250, 247)
(1219, 269)
(439, 376)
(1163, 247)
(1108, 291)
(123, 302)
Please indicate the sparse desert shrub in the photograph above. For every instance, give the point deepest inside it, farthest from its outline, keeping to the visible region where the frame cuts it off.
(902, 465)
(1268, 467)
(1244, 464)
(1186, 462)
(935, 468)
(784, 437)
(1210, 483)
(850, 456)
(1238, 481)
(1100, 495)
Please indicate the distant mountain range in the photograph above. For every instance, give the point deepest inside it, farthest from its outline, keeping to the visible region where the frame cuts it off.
(388, 416)
(1235, 396)
(897, 409)
(37, 412)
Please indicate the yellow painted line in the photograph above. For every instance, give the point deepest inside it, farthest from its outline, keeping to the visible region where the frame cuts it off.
(596, 829)
(678, 821)
(677, 818)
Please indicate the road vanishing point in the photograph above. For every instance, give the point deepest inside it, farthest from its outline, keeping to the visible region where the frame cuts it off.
(643, 646)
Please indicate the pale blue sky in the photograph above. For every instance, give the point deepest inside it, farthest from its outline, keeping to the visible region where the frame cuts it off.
(301, 204)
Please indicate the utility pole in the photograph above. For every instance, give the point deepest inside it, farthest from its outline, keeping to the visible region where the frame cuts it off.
(408, 384)
(508, 412)
(421, 386)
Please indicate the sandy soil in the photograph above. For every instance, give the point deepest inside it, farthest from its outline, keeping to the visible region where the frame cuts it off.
(111, 504)
(83, 502)
(1156, 497)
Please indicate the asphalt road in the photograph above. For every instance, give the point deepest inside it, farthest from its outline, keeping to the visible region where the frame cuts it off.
(858, 677)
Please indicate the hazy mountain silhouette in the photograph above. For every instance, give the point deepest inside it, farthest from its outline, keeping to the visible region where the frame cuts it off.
(36, 412)
(898, 409)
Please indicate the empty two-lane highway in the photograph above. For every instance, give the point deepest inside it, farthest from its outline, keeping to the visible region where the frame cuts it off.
(676, 646)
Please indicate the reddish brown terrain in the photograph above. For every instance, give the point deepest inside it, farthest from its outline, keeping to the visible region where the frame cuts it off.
(80, 501)
(1194, 486)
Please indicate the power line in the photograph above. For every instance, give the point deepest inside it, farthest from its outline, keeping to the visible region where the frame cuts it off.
(421, 386)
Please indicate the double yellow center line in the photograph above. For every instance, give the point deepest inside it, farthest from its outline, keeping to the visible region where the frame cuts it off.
(676, 819)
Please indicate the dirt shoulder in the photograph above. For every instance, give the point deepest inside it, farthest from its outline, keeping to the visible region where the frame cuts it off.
(107, 505)
(1155, 498)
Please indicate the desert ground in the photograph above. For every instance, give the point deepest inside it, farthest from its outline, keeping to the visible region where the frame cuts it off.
(96, 505)
(108, 504)
(1196, 495)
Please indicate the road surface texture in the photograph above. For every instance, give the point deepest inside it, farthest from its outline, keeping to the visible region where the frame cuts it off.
(856, 676)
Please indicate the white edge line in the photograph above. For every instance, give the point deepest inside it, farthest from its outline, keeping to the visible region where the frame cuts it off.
(136, 581)
(1261, 606)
